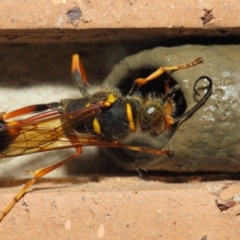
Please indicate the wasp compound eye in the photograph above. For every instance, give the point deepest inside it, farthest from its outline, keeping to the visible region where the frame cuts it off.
(150, 114)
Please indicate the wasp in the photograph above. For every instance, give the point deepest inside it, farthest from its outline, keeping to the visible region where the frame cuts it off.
(101, 117)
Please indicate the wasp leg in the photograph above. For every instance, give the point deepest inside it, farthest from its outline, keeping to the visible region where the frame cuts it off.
(167, 85)
(37, 175)
(79, 75)
(169, 105)
(167, 151)
(41, 172)
(30, 110)
(204, 98)
(169, 121)
(141, 81)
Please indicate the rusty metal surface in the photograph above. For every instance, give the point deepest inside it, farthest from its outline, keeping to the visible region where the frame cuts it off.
(209, 140)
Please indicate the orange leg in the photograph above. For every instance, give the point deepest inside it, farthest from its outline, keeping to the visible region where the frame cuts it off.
(169, 121)
(141, 81)
(37, 175)
(167, 85)
(169, 105)
(117, 144)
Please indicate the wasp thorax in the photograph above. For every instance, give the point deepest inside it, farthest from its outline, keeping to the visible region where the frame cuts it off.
(150, 114)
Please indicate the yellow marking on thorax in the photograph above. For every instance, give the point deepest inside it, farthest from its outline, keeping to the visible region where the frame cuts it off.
(130, 117)
(88, 104)
(96, 126)
(111, 98)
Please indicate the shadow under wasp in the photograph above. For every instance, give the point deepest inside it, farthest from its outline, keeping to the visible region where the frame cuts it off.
(101, 117)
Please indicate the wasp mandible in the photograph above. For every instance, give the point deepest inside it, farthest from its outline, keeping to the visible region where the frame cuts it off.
(91, 120)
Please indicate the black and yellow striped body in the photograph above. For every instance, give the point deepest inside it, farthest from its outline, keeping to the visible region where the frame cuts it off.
(111, 124)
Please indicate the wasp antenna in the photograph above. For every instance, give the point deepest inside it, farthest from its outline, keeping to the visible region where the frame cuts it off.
(204, 98)
(141, 81)
(196, 82)
(78, 74)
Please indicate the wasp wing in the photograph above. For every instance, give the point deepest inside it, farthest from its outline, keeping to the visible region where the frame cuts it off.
(47, 131)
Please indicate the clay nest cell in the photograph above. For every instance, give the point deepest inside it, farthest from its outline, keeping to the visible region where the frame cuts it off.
(209, 139)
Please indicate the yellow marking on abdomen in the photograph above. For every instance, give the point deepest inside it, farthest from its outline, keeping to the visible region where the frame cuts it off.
(130, 117)
(96, 126)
